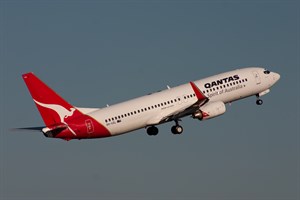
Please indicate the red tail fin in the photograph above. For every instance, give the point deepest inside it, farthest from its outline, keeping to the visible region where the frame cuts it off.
(53, 108)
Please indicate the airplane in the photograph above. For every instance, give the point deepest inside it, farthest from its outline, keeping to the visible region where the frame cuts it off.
(201, 99)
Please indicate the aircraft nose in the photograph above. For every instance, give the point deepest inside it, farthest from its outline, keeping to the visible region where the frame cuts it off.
(276, 76)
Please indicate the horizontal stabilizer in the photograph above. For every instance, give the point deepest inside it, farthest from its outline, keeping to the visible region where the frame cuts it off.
(31, 129)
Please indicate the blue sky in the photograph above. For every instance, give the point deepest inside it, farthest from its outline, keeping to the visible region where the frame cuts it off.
(95, 53)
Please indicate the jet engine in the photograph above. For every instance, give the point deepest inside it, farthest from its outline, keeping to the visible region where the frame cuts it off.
(210, 110)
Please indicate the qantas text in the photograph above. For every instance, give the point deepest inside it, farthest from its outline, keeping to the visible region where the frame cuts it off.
(221, 81)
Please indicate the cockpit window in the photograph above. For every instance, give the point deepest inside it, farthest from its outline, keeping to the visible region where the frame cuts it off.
(266, 72)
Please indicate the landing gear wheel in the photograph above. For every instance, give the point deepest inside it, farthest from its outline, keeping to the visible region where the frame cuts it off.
(259, 102)
(152, 130)
(176, 129)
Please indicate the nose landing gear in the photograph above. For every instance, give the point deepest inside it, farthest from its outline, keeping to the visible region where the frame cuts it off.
(259, 101)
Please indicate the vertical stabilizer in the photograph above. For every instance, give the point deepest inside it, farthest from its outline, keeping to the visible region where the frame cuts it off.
(53, 108)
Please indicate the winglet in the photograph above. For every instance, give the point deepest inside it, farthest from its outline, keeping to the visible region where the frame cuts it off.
(198, 92)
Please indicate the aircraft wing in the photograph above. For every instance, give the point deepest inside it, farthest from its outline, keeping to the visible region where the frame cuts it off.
(188, 110)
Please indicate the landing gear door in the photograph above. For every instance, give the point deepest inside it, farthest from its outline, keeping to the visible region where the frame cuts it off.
(257, 77)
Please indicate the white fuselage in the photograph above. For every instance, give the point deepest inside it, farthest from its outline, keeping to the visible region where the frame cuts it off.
(149, 109)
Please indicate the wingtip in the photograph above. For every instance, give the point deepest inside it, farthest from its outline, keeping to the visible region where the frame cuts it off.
(27, 74)
(197, 91)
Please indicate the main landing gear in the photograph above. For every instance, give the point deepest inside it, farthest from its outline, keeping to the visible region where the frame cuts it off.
(259, 101)
(176, 130)
(152, 130)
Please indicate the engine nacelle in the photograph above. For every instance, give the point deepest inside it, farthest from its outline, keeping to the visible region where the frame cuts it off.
(210, 110)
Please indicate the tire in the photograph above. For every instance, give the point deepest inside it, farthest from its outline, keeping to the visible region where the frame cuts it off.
(259, 102)
(152, 130)
(176, 130)
(179, 129)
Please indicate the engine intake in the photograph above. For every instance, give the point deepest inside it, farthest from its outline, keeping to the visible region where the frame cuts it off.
(210, 110)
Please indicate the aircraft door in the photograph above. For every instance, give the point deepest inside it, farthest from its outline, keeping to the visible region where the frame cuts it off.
(89, 126)
(257, 77)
